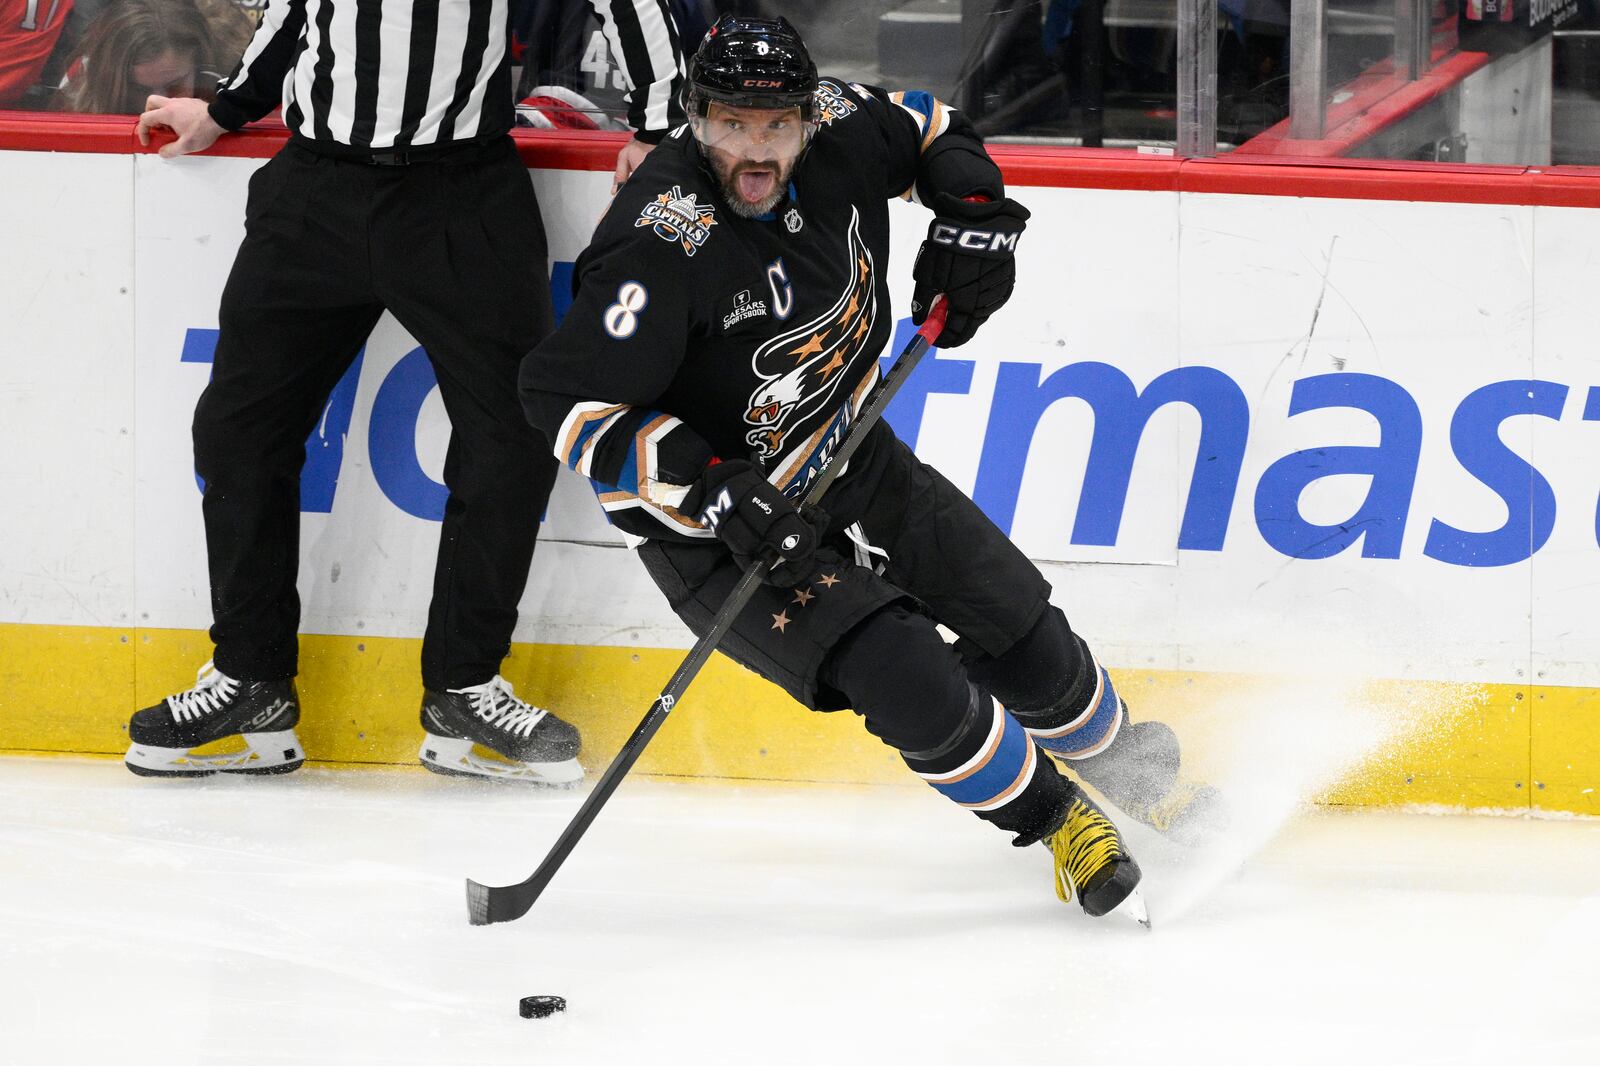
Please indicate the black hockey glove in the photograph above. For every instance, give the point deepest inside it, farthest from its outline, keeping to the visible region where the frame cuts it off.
(735, 501)
(970, 256)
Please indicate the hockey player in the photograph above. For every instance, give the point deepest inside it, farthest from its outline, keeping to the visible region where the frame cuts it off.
(726, 327)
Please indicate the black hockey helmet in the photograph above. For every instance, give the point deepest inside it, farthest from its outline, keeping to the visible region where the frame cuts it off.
(752, 62)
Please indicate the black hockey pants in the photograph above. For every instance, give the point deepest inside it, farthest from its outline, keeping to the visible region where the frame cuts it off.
(852, 637)
(455, 249)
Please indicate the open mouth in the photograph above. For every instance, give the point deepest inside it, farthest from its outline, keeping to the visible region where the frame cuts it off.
(756, 184)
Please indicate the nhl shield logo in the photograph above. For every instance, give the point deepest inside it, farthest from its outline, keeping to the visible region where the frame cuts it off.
(679, 218)
(793, 220)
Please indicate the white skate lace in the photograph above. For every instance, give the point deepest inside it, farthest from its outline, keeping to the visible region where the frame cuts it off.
(497, 704)
(212, 689)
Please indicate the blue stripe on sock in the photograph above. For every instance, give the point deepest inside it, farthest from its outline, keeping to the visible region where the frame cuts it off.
(1094, 730)
(998, 773)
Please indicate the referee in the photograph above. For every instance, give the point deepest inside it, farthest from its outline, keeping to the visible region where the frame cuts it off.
(399, 190)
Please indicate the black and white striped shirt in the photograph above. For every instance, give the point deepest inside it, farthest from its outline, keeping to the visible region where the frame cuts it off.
(398, 74)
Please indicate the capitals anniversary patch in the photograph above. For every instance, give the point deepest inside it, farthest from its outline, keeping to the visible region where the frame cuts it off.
(832, 103)
(680, 218)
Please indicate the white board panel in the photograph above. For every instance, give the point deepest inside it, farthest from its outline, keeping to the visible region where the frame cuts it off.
(67, 419)
(1182, 390)
(1373, 321)
(1565, 572)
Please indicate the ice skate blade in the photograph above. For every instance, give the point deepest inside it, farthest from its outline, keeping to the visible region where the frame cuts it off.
(1134, 907)
(263, 753)
(459, 757)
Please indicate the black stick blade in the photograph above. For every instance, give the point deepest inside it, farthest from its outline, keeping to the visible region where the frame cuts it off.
(486, 905)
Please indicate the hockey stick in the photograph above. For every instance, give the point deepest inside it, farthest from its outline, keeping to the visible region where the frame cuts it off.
(505, 903)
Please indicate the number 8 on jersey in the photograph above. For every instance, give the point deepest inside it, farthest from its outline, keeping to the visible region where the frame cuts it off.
(622, 317)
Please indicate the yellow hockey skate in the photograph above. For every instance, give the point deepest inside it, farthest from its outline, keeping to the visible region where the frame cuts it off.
(1093, 865)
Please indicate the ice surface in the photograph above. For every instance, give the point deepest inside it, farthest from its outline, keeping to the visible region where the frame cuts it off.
(321, 918)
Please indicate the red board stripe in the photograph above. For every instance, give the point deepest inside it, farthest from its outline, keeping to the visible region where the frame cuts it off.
(1067, 168)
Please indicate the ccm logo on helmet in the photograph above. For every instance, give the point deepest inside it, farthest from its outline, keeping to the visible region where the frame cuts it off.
(975, 240)
(762, 83)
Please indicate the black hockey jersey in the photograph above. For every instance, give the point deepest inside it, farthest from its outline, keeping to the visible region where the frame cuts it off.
(695, 332)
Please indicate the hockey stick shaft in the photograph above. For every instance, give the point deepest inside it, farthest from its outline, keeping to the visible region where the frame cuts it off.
(487, 905)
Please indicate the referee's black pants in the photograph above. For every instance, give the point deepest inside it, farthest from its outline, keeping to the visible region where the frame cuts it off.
(455, 249)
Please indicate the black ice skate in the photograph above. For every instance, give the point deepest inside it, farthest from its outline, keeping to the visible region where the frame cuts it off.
(263, 713)
(1138, 775)
(486, 731)
(1092, 864)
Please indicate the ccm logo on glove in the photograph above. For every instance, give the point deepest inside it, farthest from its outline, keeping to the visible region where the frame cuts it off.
(755, 520)
(970, 256)
(711, 517)
(973, 240)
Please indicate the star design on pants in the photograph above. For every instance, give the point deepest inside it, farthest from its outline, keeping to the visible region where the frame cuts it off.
(804, 596)
(780, 620)
(829, 580)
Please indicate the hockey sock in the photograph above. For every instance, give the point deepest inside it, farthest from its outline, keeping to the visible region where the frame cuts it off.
(912, 689)
(992, 767)
(1051, 682)
(1075, 731)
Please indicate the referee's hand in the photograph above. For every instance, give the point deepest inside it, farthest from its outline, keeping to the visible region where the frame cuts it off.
(185, 117)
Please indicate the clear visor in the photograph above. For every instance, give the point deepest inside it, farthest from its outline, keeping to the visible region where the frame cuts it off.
(754, 135)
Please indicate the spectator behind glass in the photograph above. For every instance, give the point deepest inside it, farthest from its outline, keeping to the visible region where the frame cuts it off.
(134, 48)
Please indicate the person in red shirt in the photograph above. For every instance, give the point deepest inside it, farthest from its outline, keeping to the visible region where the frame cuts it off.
(29, 30)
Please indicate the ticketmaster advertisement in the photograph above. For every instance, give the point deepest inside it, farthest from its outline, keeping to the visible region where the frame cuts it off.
(1242, 434)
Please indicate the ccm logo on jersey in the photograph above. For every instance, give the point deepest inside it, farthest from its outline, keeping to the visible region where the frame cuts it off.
(974, 240)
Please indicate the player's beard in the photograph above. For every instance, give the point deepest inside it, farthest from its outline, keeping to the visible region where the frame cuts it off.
(767, 180)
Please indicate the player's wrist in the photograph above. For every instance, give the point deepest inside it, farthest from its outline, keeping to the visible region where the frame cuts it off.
(975, 208)
(711, 477)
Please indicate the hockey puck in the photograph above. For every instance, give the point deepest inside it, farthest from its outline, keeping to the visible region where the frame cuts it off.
(540, 1006)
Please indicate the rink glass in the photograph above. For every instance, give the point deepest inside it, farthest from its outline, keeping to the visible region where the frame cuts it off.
(1105, 73)
(1478, 81)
